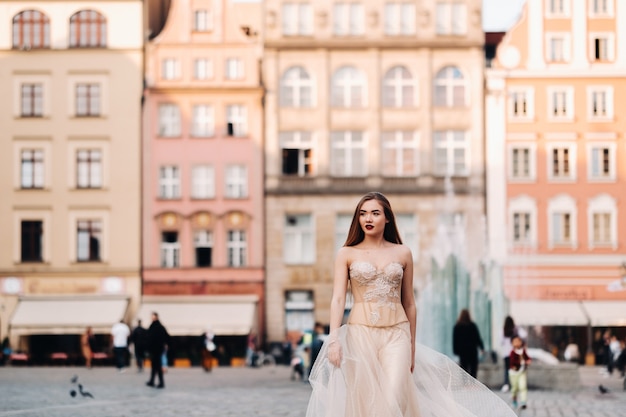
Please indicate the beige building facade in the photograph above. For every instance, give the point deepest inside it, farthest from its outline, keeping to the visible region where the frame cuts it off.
(71, 78)
(363, 96)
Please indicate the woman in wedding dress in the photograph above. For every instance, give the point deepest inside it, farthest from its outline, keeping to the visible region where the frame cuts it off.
(372, 366)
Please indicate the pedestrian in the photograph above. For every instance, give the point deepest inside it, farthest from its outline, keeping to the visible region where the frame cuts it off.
(466, 342)
(87, 346)
(138, 339)
(571, 353)
(158, 338)
(519, 361)
(508, 332)
(120, 334)
(366, 367)
(316, 344)
(615, 349)
(208, 347)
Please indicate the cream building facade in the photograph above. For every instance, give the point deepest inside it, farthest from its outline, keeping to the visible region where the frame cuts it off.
(362, 96)
(71, 78)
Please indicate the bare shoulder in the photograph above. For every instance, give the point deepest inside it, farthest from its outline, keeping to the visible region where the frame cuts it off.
(344, 254)
(404, 253)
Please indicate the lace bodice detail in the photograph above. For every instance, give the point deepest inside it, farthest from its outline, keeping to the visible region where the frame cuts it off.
(379, 290)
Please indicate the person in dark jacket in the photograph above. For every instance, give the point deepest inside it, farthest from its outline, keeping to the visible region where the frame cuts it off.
(466, 342)
(158, 338)
(138, 339)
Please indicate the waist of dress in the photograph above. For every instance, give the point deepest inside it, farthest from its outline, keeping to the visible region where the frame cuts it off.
(377, 314)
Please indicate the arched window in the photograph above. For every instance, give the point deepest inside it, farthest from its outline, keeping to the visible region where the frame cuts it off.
(88, 29)
(296, 88)
(398, 88)
(31, 29)
(348, 88)
(449, 88)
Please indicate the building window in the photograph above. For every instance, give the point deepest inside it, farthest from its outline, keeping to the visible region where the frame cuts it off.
(601, 162)
(32, 169)
(31, 30)
(170, 69)
(297, 19)
(522, 163)
(562, 228)
(297, 153)
(557, 8)
(400, 19)
(348, 19)
(400, 153)
(237, 120)
(601, 8)
(348, 88)
(522, 222)
(451, 19)
(169, 120)
(234, 69)
(602, 221)
(236, 247)
(170, 250)
(561, 103)
(88, 239)
(88, 29)
(601, 229)
(296, 88)
(203, 182)
(89, 168)
(451, 149)
(236, 181)
(521, 104)
(348, 154)
(601, 103)
(169, 182)
(203, 242)
(602, 47)
(521, 228)
(203, 124)
(87, 100)
(449, 88)
(561, 162)
(398, 88)
(202, 20)
(32, 241)
(558, 47)
(32, 100)
(299, 312)
(562, 215)
(299, 239)
(203, 69)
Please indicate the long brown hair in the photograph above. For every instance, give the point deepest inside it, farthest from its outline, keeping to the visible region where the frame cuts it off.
(464, 317)
(356, 234)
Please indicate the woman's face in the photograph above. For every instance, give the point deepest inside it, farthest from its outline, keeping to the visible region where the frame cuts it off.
(372, 218)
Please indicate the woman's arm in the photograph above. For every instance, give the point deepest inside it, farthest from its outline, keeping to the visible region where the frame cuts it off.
(408, 299)
(338, 304)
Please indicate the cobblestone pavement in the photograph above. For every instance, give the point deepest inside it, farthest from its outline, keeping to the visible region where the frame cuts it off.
(267, 391)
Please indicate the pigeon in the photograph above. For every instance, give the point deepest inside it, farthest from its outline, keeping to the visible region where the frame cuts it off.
(602, 389)
(84, 393)
(73, 393)
(74, 379)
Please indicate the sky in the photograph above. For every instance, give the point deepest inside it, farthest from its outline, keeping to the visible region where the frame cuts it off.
(500, 15)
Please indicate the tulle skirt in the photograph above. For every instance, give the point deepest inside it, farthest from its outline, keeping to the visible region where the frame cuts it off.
(374, 380)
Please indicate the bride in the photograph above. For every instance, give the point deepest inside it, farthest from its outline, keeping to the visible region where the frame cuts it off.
(372, 366)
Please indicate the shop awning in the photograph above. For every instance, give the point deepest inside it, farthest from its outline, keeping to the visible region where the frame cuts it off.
(606, 313)
(193, 315)
(548, 313)
(67, 314)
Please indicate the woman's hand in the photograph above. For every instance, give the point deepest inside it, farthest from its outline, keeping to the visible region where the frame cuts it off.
(335, 353)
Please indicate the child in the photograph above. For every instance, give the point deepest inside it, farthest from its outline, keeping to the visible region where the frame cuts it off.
(519, 361)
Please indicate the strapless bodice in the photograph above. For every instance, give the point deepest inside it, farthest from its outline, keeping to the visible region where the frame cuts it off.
(376, 294)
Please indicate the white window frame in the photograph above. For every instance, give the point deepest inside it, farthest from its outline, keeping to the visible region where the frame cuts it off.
(299, 239)
(44, 145)
(302, 141)
(553, 56)
(46, 82)
(297, 19)
(527, 97)
(551, 11)
(93, 177)
(602, 204)
(523, 204)
(400, 18)
(203, 238)
(169, 182)
(77, 79)
(592, 147)
(609, 38)
(596, 5)
(447, 79)
(348, 88)
(202, 182)
(237, 115)
(203, 20)
(236, 248)
(532, 162)
(560, 98)
(352, 144)
(451, 18)
(299, 82)
(203, 121)
(560, 205)
(77, 249)
(234, 69)
(397, 144)
(170, 69)
(236, 181)
(170, 251)
(203, 69)
(399, 81)
(593, 92)
(105, 221)
(572, 158)
(35, 177)
(348, 19)
(450, 144)
(169, 120)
